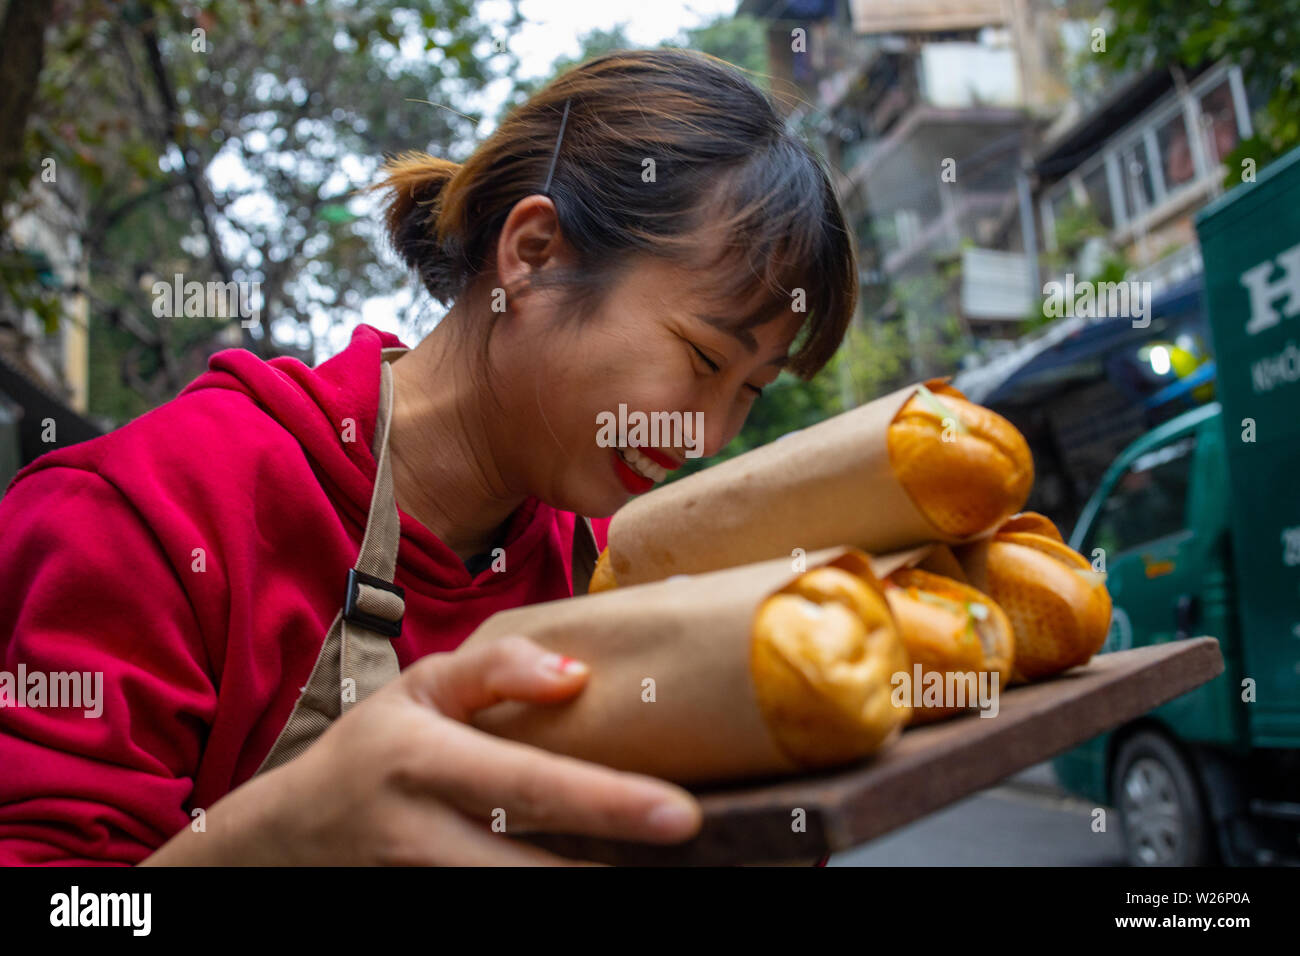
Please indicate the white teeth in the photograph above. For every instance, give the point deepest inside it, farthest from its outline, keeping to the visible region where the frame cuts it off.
(642, 465)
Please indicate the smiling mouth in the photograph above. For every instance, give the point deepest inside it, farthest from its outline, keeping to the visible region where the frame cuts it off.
(642, 465)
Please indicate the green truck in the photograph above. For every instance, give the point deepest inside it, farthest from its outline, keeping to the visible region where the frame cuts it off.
(1198, 526)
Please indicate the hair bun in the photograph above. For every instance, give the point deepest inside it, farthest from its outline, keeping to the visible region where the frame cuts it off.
(415, 182)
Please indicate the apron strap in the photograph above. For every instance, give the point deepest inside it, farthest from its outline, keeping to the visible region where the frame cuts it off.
(374, 605)
(585, 554)
(358, 657)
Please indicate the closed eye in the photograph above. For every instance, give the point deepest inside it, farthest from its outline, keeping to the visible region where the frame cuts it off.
(756, 389)
(707, 361)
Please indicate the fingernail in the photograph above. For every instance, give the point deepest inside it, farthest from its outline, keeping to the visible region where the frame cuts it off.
(559, 664)
(671, 818)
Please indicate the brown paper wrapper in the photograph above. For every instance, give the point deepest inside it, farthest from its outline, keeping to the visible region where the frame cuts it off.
(690, 635)
(883, 565)
(825, 485)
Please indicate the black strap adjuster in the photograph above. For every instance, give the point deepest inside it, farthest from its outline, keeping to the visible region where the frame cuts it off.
(352, 612)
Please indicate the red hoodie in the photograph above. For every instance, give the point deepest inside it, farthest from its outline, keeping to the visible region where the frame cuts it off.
(196, 557)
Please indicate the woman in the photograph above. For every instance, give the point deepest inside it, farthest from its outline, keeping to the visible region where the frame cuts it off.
(644, 232)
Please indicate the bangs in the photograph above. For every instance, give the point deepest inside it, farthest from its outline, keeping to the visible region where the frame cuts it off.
(775, 228)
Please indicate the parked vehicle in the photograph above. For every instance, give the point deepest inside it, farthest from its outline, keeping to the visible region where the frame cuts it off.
(1198, 525)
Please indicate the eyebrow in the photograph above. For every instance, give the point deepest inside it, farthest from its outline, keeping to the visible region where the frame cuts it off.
(780, 361)
(744, 337)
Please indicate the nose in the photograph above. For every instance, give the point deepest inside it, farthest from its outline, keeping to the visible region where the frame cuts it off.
(720, 422)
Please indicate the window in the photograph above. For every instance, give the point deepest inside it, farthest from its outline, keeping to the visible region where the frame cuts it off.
(1139, 187)
(1219, 130)
(1179, 141)
(1148, 502)
(1175, 152)
(1097, 188)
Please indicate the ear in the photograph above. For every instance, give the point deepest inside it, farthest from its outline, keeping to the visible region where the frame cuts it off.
(530, 240)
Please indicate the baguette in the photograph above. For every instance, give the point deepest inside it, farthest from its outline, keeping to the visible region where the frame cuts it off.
(949, 628)
(744, 672)
(1031, 522)
(824, 651)
(965, 468)
(920, 465)
(1058, 606)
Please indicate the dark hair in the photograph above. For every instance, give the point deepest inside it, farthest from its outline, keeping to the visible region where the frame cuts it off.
(723, 159)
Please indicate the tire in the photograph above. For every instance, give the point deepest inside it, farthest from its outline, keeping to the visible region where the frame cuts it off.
(1162, 814)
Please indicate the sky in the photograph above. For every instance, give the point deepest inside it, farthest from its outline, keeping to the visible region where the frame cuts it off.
(552, 30)
(554, 26)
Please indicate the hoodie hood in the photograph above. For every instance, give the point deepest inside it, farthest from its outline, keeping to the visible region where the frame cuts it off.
(317, 405)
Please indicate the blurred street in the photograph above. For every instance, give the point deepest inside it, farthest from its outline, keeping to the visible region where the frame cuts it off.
(1027, 821)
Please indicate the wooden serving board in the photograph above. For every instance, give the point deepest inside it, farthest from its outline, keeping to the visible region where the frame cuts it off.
(927, 769)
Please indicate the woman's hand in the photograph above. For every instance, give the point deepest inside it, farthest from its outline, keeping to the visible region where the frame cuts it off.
(402, 779)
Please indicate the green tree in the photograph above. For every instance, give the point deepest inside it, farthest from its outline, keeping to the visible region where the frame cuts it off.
(229, 142)
(741, 41)
(22, 36)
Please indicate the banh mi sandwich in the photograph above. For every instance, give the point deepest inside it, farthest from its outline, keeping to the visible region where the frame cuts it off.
(919, 465)
(602, 577)
(1031, 522)
(1058, 606)
(825, 650)
(949, 628)
(748, 671)
(966, 468)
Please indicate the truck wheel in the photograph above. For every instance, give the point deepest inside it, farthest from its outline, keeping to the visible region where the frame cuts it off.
(1162, 815)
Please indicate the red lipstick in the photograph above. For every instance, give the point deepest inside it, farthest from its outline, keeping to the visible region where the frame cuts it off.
(637, 484)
